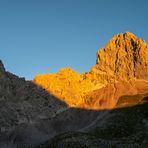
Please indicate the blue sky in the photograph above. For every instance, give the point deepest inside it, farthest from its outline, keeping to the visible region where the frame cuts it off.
(39, 36)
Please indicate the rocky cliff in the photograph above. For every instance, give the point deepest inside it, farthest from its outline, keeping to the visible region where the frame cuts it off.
(68, 85)
(123, 60)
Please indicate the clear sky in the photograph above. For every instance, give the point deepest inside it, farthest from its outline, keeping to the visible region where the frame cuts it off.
(39, 36)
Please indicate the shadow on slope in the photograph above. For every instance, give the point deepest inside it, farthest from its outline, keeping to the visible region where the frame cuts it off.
(30, 116)
(25, 112)
(120, 127)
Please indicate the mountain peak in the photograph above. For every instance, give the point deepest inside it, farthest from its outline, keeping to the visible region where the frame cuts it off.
(123, 36)
(127, 33)
(123, 58)
(124, 39)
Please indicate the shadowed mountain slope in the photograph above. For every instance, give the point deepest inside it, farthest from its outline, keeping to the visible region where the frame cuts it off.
(24, 108)
(123, 127)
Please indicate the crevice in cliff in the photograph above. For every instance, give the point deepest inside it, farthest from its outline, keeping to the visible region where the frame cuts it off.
(134, 48)
(116, 62)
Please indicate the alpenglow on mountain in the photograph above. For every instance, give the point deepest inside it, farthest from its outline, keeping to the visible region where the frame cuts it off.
(124, 59)
(104, 107)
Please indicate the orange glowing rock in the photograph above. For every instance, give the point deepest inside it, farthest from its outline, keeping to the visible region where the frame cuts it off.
(124, 57)
(67, 85)
(120, 65)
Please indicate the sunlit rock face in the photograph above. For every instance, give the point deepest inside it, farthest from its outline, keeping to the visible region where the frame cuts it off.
(119, 64)
(108, 96)
(124, 57)
(67, 85)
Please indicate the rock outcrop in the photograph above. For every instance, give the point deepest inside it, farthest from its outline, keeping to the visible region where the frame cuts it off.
(67, 85)
(122, 60)
(108, 96)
